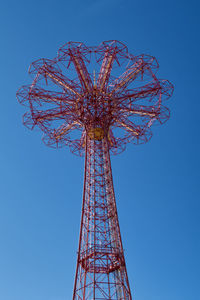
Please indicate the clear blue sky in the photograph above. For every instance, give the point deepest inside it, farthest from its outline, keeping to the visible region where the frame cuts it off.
(156, 184)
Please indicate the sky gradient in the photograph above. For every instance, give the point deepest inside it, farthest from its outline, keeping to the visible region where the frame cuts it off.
(156, 185)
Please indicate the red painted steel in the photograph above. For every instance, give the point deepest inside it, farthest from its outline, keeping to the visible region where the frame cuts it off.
(101, 270)
(113, 98)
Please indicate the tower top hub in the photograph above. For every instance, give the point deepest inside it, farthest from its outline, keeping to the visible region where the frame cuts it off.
(122, 99)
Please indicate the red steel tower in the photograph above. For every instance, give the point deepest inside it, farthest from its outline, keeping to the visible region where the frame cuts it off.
(112, 98)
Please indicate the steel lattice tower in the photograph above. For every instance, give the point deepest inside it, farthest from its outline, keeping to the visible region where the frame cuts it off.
(113, 98)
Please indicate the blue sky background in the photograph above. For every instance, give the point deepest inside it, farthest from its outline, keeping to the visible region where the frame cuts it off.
(156, 185)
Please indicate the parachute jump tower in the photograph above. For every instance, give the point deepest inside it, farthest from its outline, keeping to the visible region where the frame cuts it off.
(112, 98)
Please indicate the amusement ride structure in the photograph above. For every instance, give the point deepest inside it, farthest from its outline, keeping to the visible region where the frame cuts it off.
(111, 98)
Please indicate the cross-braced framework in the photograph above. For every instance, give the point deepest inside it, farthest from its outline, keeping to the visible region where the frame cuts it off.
(112, 98)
